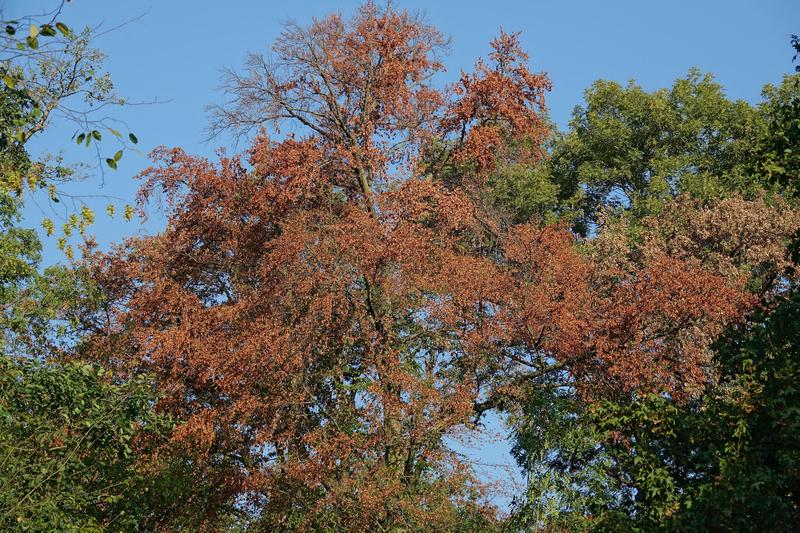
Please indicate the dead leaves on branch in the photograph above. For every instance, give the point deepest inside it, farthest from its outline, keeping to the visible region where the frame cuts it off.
(326, 317)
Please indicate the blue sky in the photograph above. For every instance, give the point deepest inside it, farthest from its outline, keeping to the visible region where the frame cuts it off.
(173, 54)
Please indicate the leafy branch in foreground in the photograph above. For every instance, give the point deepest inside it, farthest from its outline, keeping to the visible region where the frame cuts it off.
(52, 74)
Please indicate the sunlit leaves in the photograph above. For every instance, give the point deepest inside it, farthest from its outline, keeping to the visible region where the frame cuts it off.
(47, 30)
(69, 437)
(35, 31)
(351, 305)
(60, 26)
(36, 54)
(48, 226)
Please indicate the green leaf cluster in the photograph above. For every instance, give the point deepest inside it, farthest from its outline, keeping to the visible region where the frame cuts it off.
(724, 461)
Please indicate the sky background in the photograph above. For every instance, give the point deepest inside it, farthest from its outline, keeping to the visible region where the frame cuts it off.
(174, 50)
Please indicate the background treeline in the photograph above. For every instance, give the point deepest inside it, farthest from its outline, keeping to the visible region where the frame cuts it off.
(321, 314)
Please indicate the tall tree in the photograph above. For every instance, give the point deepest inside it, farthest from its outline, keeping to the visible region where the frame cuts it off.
(636, 149)
(645, 461)
(74, 444)
(325, 317)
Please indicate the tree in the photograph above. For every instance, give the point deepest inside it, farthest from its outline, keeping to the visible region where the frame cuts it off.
(73, 443)
(71, 449)
(689, 175)
(635, 149)
(325, 315)
(29, 300)
(777, 150)
(724, 462)
(77, 446)
(55, 75)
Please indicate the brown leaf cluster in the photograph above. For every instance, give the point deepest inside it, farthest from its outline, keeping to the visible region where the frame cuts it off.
(322, 319)
(733, 237)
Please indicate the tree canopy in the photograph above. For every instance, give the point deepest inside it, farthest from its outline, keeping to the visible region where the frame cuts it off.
(392, 259)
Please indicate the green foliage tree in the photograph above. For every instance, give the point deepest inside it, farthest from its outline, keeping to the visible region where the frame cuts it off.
(71, 441)
(74, 442)
(50, 74)
(724, 460)
(777, 151)
(636, 149)
(526, 192)
(566, 466)
(78, 446)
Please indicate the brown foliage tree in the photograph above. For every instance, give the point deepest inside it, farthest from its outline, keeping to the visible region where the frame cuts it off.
(324, 317)
(733, 237)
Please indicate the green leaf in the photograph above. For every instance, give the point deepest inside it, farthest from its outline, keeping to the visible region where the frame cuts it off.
(48, 226)
(96, 135)
(133, 138)
(33, 42)
(11, 30)
(114, 132)
(118, 155)
(34, 31)
(110, 162)
(60, 26)
(9, 81)
(80, 138)
(47, 30)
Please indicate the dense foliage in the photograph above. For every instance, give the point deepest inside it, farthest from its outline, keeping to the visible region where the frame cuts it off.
(645, 461)
(327, 314)
(68, 449)
(78, 448)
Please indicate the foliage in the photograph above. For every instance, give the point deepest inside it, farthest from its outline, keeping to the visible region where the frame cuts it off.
(68, 433)
(635, 149)
(777, 152)
(69, 441)
(15, 111)
(327, 315)
(687, 174)
(324, 315)
(76, 445)
(567, 469)
(52, 74)
(727, 462)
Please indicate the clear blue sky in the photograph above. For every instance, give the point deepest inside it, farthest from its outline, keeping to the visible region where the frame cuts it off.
(174, 52)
